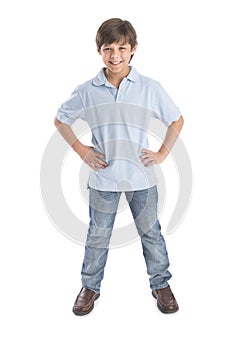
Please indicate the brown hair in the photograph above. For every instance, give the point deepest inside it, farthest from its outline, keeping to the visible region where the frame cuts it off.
(115, 29)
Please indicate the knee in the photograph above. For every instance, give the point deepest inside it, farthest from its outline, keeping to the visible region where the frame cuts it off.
(98, 237)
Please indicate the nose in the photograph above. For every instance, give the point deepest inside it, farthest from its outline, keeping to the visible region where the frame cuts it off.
(115, 53)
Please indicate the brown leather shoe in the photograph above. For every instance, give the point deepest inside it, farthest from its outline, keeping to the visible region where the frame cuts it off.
(166, 301)
(85, 302)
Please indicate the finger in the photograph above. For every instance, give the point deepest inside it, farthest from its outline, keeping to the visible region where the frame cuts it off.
(95, 166)
(147, 162)
(150, 163)
(100, 166)
(93, 157)
(144, 150)
(100, 162)
(100, 155)
(146, 157)
(100, 158)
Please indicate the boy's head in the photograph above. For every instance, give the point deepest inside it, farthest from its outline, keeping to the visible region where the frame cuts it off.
(116, 30)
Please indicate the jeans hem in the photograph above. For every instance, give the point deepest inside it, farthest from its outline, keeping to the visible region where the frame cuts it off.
(93, 289)
(160, 287)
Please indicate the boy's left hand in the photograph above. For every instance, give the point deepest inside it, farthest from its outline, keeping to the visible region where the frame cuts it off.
(149, 158)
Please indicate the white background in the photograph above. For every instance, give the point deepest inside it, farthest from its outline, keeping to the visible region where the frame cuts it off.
(47, 48)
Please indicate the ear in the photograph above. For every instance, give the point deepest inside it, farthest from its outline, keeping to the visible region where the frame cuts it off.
(134, 50)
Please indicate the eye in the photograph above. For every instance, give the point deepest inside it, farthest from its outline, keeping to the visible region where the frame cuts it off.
(122, 48)
(106, 49)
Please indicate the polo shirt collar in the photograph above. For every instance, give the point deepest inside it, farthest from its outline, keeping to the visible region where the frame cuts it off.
(101, 79)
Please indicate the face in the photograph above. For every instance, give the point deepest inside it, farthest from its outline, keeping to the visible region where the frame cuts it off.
(116, 57)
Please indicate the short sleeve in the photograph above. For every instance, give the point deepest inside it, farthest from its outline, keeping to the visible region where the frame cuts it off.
(71, 110)
(165, 108)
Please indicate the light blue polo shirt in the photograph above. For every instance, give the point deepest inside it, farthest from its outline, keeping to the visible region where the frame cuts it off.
(119, 121)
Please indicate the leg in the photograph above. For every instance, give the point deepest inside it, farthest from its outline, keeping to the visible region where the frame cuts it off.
(103, 207)
(143, 205)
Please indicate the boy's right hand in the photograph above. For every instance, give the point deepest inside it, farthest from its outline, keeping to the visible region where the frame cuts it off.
(95, 160)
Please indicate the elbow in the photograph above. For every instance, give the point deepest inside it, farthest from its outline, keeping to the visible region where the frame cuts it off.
(56, 122)
(179, 123)
(181, 120)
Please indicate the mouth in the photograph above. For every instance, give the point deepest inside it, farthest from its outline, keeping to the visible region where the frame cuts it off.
(115, 64)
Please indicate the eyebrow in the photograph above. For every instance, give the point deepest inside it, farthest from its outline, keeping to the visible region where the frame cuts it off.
(121, 44)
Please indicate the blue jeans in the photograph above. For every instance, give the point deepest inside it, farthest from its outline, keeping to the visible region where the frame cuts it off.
(103, 208)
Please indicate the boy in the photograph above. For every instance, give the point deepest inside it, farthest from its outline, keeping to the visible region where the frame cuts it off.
(117, 104)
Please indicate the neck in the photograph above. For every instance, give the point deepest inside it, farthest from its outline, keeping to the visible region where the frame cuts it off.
(115, 79)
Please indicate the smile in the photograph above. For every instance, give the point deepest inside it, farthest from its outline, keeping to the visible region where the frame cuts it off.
(115, 63)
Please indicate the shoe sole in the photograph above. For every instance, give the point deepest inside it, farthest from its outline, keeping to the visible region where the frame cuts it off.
(166, 311)
(83, 313)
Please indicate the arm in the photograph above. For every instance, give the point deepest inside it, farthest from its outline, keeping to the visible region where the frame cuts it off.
(149, 157)
(87, 154)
